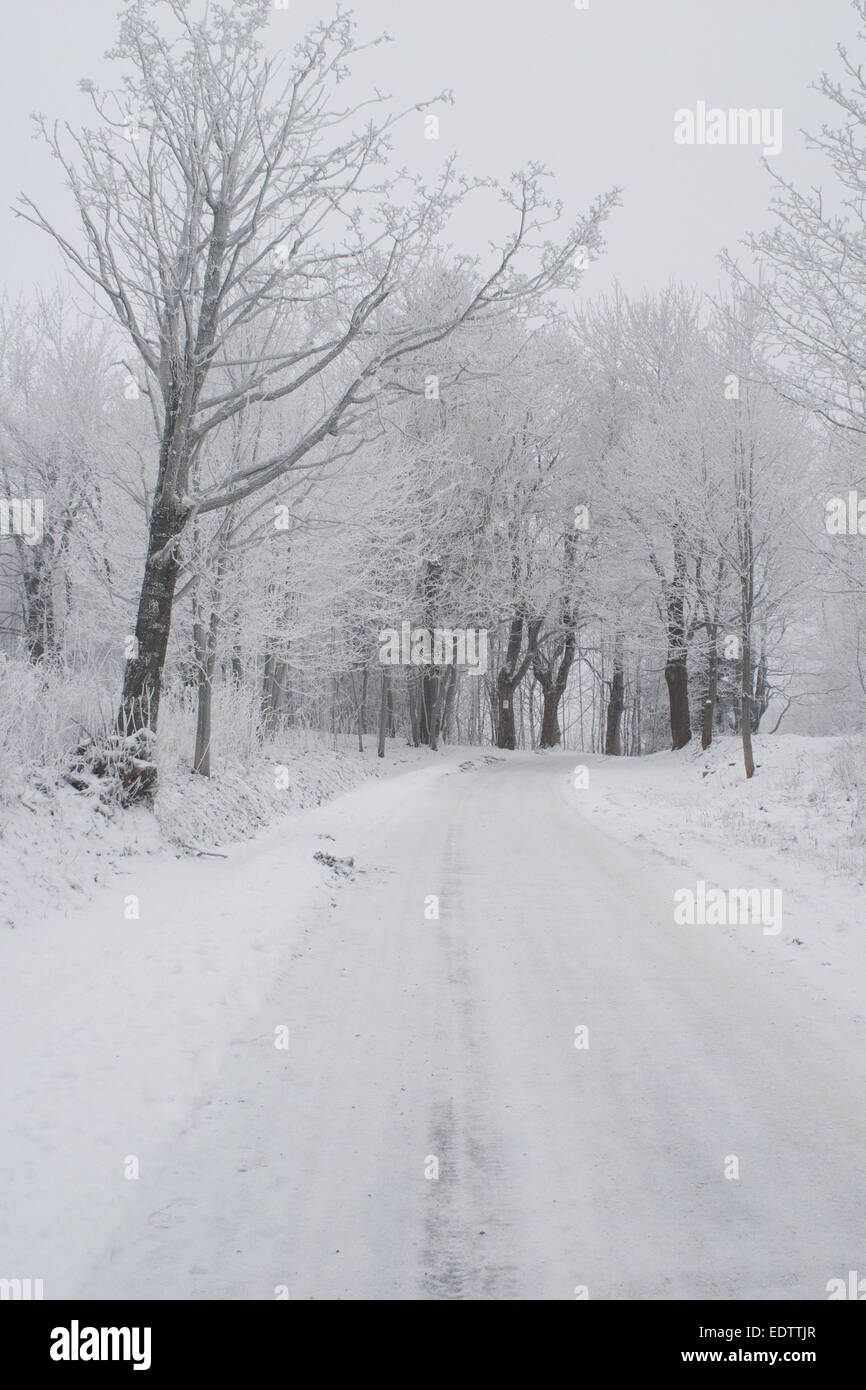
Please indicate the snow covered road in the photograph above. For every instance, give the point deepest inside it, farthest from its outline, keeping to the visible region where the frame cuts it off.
(452, 1042)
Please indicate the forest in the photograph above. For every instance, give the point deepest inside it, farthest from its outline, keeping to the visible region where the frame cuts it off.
(268, 415)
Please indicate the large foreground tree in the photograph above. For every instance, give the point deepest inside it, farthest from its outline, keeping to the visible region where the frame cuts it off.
(225, 193)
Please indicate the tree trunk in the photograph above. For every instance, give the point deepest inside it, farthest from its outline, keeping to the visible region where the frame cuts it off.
(142, 677)
(761, 699)
(268, 705)
(383, 712)
(205, 650)
(450, 701)
(445, 682)
(510, 674)
(282, 714)
(362, 710)
(430, 678)
(676, 665)
(550, 732)
(201, 763)
(429, 687)
(414, 696)
(553, 684)
(709, 710)
(746, 556)
(237, 655)
(711, 628)
(676, 675)
(506, 736)
(746, 713)
(616, 703)
(40, 629)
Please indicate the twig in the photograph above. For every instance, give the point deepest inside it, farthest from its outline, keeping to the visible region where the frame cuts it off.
(193, 849)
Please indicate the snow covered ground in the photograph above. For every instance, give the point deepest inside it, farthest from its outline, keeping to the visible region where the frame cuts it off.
(707, 1143)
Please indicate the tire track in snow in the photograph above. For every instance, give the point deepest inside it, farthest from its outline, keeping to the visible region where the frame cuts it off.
(467, 1250)
(454, 1038)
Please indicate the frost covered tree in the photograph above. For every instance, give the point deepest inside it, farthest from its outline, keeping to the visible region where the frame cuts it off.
(760, 443)
(809, 278)
(221, 189)
(61, 450)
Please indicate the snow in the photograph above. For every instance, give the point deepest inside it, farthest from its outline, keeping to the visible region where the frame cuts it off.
(56, 843)
(265, 1170)
(113, 1028)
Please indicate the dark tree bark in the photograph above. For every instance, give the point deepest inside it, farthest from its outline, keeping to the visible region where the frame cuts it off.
(746, 713)
(450, 702)
(746, 700)
(414, 696)
(430, 682)
(552, 667)
(201, 763)
(553, 680)
(445, 685)
(506, 733)
(142, 677)
(511, 673)
(434, 710)
(676, 665)
(40, 630)
(205, 643)
(362, 709)
(711, 617)
(746, 559)
(383, 711)
(676, 676)
(550, 734)
(428, 696)
(616, 702)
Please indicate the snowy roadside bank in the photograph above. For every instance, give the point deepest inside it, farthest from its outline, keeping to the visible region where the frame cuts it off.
(116, 1025)
(57, 846)
(797, 828)
(119, 1006)
(808, 796)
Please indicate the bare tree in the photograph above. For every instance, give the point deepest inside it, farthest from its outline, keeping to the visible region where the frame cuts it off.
(56, 420)
(222, 191)
(811, 280)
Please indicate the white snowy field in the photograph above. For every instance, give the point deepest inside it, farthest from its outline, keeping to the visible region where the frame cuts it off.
(151, 1044)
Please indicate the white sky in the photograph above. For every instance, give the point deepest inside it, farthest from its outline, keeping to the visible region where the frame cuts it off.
(589, 93)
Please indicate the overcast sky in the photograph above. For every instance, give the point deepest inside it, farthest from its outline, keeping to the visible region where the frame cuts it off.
(592, 94)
